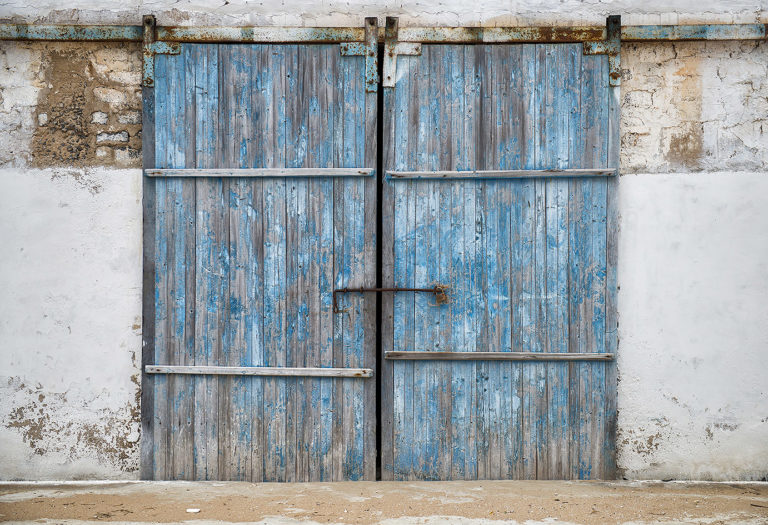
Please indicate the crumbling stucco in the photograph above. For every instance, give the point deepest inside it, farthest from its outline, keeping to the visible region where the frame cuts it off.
(109, 435)
(694, 106)
(72, 105)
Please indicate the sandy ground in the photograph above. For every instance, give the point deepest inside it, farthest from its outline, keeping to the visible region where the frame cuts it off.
(429, 503)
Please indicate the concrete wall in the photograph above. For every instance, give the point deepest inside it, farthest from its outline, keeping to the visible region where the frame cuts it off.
(693, 241)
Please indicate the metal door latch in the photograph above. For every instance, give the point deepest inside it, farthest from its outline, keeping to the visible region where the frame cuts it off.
(439, 290)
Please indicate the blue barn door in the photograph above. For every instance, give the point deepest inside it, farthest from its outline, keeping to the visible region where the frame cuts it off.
(260, 200)
(512, 377)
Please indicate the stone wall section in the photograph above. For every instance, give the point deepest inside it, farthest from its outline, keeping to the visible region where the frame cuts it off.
(72, 104)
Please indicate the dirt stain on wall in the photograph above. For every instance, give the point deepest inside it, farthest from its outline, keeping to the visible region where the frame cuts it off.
(685, 145)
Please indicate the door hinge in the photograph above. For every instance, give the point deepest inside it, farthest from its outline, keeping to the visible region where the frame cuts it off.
(152, 47)
(369, 50)
(393, 48)
(611, 46)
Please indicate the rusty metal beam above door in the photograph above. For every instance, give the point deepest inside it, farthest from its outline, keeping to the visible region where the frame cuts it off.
(434, 35)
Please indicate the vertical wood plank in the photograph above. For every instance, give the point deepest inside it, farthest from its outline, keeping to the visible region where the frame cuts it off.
(149, 235)
(389, 122)
(295, 145)
(207, 290)
(221, 211)
(473, 253)
(181, 268)
(275, 321)
(259, 154)
(446, 231)
(160, 416)
(243, 265)
(460, 382)
(397, 248)
(611, 281)
(327, 273)
(527, 260)
(369, 406)
(598, 283)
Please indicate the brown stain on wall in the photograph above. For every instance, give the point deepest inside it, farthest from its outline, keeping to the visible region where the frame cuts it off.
(685, 146)
(88, 111)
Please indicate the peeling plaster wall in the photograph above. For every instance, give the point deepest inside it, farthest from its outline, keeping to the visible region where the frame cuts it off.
(70, 323)
(70, 270)
(693, 241)
(693, 271)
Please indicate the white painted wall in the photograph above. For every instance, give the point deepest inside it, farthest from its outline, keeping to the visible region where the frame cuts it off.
(694, 244)
(693, 399)
(70, 323)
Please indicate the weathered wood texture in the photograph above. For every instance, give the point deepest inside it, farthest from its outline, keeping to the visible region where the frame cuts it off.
(526, 262)
(260, 371)
(244, 268)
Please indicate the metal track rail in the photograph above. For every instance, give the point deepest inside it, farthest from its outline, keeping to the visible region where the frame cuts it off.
(433, 35)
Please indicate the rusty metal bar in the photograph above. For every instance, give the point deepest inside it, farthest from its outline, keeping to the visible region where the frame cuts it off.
(611, 46)
(70, 32)
(499, 35)
(151, 47)
(439, 290)
(328, 35)
(369, 50)
(434, 35)
(694, 32)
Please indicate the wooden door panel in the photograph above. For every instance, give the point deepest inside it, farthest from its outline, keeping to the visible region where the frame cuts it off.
(245, 267)
(525, 259)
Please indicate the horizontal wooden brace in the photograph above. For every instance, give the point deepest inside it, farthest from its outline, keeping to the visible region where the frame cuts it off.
(271, 371)
(262, 172)
(498, 174)
(496, 356)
